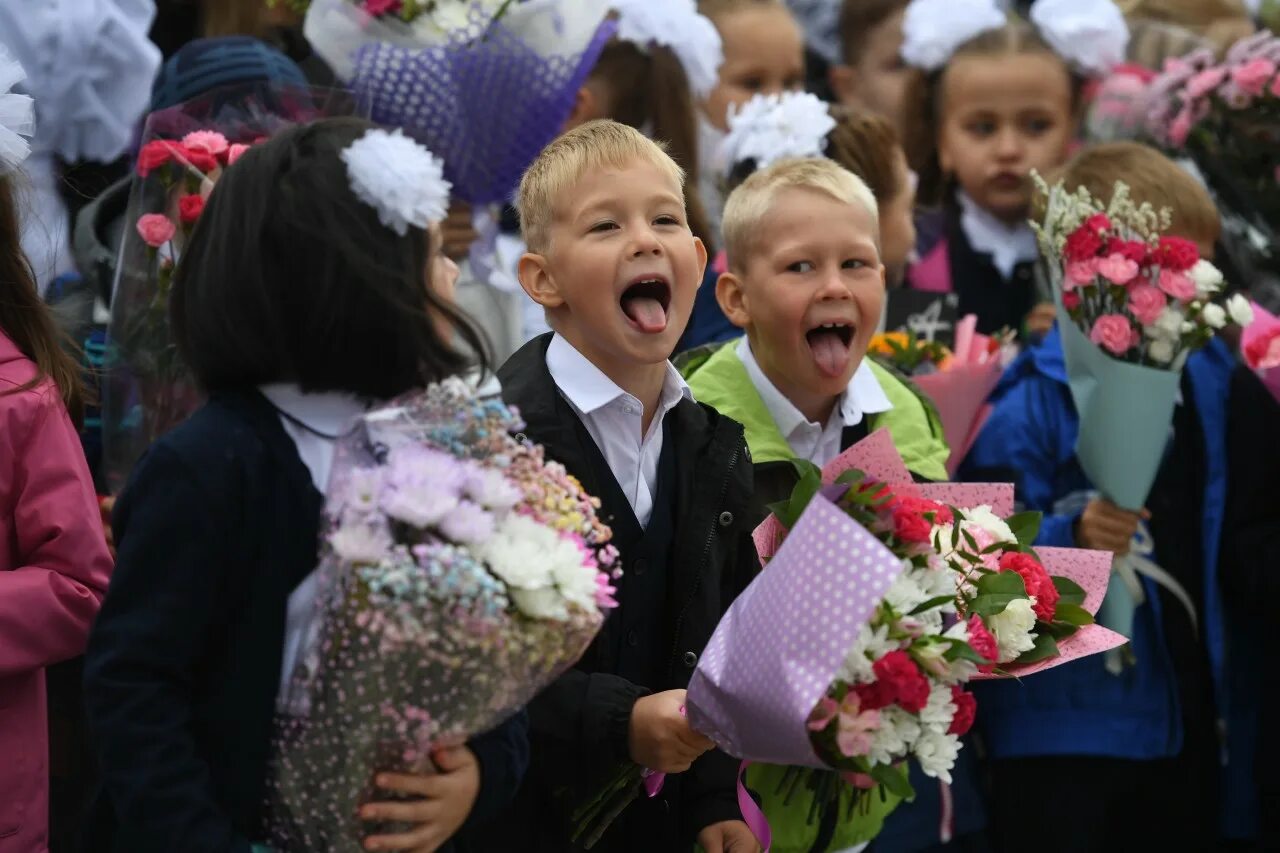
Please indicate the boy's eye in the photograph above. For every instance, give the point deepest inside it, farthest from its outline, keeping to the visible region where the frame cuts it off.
(600, 227)
(666, 219)
(1038, 126)
(853, 264)
(801, 266)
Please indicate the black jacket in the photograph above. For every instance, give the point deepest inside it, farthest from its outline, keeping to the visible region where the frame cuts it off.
(579, 724)
(219, 523)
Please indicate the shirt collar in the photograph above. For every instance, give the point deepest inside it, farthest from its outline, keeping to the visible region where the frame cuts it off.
(1007, 246)
(330, 413)
(863, 395)
(589, 389)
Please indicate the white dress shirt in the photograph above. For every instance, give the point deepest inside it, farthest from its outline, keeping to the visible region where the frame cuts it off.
(1007, 245)
(818, 443)
(614, 419)
(330, 414)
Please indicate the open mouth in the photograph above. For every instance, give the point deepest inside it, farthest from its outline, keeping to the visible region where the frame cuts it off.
(829, 343)
(645, 302)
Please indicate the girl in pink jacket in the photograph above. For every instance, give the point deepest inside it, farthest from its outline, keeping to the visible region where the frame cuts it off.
(54, 562)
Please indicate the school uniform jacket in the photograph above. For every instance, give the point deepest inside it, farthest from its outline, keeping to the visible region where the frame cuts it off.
(579, 725)
(219, 523)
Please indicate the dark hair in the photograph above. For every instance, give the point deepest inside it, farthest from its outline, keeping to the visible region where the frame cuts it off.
(923, 108)
(26, 320)
(650, 92)
(291, 278)
(858, 18)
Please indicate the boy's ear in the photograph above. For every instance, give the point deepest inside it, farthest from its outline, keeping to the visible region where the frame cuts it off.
(732, 299)
(844, 83)
(702, 258)
(537, 280)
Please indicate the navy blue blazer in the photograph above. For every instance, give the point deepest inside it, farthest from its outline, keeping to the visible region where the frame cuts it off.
(218, 524)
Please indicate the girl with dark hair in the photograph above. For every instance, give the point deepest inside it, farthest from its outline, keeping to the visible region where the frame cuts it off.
(312, 287)
(54, 562)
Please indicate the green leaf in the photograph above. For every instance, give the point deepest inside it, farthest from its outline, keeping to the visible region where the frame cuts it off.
(968, 539)
(1072, 614)
(851, 477)
(932, 603)
(1025, 526)
(992, 605)
(789, 512)
(1046, 647)
(964, 651)
(1002, 582)
(1069, 592)
(1057, 630)
(894, 781)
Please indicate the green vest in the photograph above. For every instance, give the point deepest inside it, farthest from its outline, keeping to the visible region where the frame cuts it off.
(718, 378)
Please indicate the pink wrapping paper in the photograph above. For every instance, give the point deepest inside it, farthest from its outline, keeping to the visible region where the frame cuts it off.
(777, 649)
(960, 395)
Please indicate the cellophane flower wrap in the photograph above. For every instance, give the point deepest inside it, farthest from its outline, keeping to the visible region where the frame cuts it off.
(484, 84)
(148, 390)
(460, 573)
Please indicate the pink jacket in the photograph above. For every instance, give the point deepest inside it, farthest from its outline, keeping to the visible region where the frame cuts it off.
(54, 567)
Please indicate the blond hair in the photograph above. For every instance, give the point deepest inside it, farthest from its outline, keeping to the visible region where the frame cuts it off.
(749, 204)
(1151, 177)
(593, 145)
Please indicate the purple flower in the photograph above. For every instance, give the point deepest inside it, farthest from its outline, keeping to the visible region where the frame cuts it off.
(467, 523)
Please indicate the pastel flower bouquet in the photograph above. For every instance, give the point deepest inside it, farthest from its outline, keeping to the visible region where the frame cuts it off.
(461, 572)
(184, 151)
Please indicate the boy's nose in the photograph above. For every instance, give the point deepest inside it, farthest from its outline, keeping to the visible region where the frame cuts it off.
(646, 242)
(833, 287)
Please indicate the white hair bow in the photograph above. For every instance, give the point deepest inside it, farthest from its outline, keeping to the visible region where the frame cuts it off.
(675, 24)
(397, 177)
(17, 115)
(769, 128)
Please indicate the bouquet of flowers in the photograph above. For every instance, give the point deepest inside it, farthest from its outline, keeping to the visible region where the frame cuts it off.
(485, 84)
(957, 382)
(1260, 346)
(1133, 304)
(185, 149)
(460, 573)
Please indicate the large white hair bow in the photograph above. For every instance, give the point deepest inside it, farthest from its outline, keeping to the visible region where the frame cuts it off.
(675, 24)
(769, 128)
(933, 29)
(17, 115)
(397, 177)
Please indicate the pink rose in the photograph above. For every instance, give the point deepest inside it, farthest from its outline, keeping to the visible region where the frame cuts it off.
(208, 141)
(155, 229)
(1178, 285)
(1263, 351)
(1114, 333)
(1080, 273)
(1253, 76)
(1118, 269)
(234, 152)
(1180, 129)
(1146, 303)
(1205, 82)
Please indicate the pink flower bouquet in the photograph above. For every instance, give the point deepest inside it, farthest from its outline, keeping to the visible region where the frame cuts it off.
(1260, 346)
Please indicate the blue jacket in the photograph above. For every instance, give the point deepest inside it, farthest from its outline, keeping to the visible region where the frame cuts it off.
(1079, 708)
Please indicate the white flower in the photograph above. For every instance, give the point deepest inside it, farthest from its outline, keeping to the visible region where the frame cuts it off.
(905, 595)
(940, 710)
(984, 517)
(898, 732)
(1207, 277)
(1168, 326)
(517, 552)
(1160, 351)
(871, 645)
(543, 603)
(417, 507)
(1240, 310)
(960, 670)
(937, 752)
(576, 580)
(360, 541)
(1012, 629)
(490, 488)
(769, 128)
(397, 177)
(1214, 316)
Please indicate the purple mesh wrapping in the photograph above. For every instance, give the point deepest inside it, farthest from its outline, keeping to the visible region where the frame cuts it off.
(488, 106)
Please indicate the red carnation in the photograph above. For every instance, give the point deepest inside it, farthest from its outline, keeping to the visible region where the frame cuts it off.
(941, 512)
(154, 155)
(911, 526)
(1037, 581)
(900, 675)
(1177, 254)
(200, 159)
(1071, 300)
(874, 696)
(966, 711)
(982, 642)
(1133, 250)
(1087, 240)
(189, 208)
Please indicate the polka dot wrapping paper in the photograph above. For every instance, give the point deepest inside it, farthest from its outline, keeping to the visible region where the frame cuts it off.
(777, 649)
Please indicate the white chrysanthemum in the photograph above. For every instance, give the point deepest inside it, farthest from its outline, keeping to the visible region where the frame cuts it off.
(576, 580)
(940, 710)
(490, 488)
(769, 128)
(676, 24)
(871, 645)
(363, 487)
(1207, 277)
(359, 541)
(1240, 310)
(937, 752)
(543, 603)
(898, 732)
(1214, 315)
(960, 671)
(517, 553)
(933, 29)
(397, 177)
(905, 595)
(1012, 628)
(937, 582)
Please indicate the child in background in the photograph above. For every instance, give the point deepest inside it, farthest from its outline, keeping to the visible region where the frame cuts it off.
(613, 261)
(305, 294)
(54, 563)
(1106, 759)
(995, 97)
(873, 76)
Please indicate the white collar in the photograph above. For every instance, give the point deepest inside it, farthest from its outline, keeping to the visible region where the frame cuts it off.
(587, 387)
(1007, 246)
(862, 396)
(328, 412)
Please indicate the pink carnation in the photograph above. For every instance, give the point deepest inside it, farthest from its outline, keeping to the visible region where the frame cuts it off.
(1180, 129)
(1114, 333)
(155, 229)
(1080, 273)
(1146, 303)
(1178, 285)
(1205, 82)
(234, 152)
(381, 7)
(208, 141)
(1253, 76)
(1118, 269)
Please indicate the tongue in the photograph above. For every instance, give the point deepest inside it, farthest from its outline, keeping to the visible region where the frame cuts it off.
(829, 352)
(646, 312)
